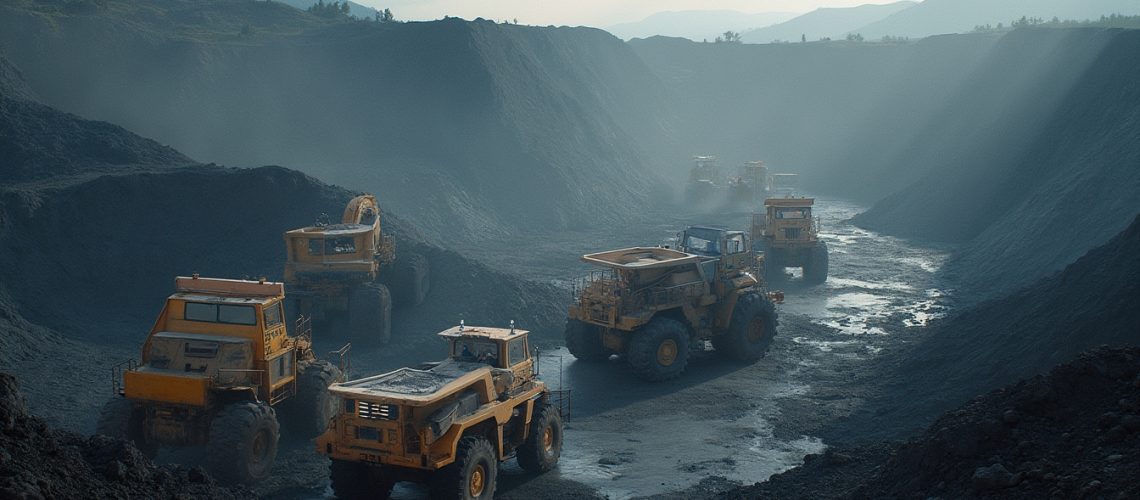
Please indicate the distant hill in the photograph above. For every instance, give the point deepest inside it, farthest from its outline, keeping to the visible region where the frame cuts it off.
(354, 9)
(474, 129)
(828, 22)
(697, 25)
(933, 17)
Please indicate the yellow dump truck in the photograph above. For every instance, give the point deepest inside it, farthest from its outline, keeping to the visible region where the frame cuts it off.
(653, 305)
(216, 368)
(788, 236)
(448, 424)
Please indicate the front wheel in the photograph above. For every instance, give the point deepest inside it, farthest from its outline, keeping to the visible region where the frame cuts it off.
(472, 476)
(659, 350)
(120, 419)
(309, 412)
(584, 341)
(370, 314)
(815, 269)
(750, 330)
(543, 443)
(243, 442)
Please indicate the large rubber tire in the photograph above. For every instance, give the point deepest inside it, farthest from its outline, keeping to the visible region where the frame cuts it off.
(750, 330)
(543, 444)
(773, 266)
(659, 350)
(370, 314)
(307, 414)
(120, 419)
(411, 280)
(584, 341)
(243, 443)
(357, 481)
(815, 269)
(473, 474)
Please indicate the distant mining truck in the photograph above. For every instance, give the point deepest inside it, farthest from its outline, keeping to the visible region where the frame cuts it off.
(753, 184)
(448, 424)
(352, 268)
(704, 180)
(652, 306)
(788, 236)
(218, 368)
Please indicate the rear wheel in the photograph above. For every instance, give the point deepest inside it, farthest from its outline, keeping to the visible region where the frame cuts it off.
(370, 314)
(659, 350)
(243, 442)
(410, 280)
(584, 341)
(120, 419)
(815, 269)
(750, 331)
(309, 412)
(543, 444)
(472, 476)
(357, 481)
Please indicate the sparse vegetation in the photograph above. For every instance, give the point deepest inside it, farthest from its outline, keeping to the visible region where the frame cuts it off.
(384, 16)
(854, 37)
(331, 9)
(1109, 21)
(729, 37)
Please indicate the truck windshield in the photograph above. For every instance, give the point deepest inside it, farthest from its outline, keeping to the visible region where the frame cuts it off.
(221, 313)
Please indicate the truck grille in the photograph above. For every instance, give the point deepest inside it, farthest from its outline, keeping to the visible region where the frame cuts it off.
(792, 233)
(377, 411)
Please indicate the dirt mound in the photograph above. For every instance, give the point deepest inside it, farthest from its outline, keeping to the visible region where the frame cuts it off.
(37, 141)
(1072, 434)
(1090, 303)
(39, 462)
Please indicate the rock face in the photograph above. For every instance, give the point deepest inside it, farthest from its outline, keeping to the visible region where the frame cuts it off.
(1064, 442)
(39, 462)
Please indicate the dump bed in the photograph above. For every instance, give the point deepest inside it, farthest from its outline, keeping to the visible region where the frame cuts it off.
(640, 258)
(411, 385)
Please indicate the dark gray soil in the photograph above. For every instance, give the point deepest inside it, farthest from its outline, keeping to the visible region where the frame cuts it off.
(37, 461)
(1072, 434)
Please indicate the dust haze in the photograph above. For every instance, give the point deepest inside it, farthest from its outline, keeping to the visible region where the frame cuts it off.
(973, 183)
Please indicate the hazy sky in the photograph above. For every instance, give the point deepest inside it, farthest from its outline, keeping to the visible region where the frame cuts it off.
(600, 13)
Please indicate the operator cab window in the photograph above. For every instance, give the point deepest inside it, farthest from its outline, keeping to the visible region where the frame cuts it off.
(336, 246)
(273, 315)
(701, 245)
(477, 351)
(735, 244)
(793, 213)
(516, 351)
(221, 313)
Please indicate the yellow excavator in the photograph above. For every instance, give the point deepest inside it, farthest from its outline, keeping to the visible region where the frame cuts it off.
(351, 268)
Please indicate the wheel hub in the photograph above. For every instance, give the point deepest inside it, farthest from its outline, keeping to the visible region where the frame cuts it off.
(477, 483)
(756, 330)
(548, 440)
(667, 352)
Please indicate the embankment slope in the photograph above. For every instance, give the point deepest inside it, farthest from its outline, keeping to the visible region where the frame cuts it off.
(471, 129)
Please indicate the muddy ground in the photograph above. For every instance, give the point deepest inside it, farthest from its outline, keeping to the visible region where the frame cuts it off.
(721, 424)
